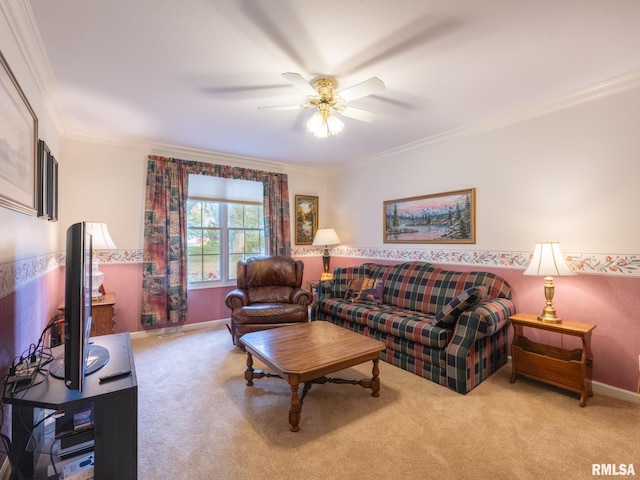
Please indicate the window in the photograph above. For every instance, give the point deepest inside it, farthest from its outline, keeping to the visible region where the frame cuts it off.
(221, 231)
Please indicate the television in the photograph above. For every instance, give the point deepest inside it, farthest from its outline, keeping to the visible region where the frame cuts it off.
(80, 356)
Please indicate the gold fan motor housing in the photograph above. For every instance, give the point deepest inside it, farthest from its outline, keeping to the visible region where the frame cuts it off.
(327, 96)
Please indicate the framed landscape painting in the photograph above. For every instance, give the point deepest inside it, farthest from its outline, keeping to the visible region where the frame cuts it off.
(306, 212)
(439, 218)
(18, 145)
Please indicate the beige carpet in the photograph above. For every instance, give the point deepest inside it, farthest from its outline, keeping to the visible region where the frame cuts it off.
(199, 420)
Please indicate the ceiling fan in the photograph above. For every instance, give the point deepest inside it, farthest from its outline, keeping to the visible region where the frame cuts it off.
(323, 96)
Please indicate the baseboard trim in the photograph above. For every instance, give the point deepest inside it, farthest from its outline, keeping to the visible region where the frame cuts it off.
(615, 392)
(172, 331)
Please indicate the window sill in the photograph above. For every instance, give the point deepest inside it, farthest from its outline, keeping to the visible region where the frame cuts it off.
(207, 285)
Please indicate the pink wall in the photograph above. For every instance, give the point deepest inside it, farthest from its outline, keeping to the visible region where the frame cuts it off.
(125, 280)
(204, 305)
(24, 314)
(611, 303)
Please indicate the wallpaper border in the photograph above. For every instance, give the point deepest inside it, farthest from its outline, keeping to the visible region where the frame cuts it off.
(627, 265)
(14, 275)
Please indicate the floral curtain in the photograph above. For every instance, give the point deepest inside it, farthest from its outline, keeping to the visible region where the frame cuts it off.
(164, 282)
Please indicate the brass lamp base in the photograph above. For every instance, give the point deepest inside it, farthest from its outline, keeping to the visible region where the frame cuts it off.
(548, 312)
(549, 317)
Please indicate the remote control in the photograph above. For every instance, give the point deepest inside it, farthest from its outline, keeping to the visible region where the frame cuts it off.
(114, 375)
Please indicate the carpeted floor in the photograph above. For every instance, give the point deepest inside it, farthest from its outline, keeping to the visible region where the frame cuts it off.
(199, 421)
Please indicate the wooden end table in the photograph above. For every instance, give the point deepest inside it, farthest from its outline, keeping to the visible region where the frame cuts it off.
(568, 369)
(102, 313)
(306, 352)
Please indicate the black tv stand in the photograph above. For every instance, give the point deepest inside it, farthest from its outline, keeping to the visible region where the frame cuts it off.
(115, 405)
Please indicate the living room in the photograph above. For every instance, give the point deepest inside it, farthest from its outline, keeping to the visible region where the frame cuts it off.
(563, 167)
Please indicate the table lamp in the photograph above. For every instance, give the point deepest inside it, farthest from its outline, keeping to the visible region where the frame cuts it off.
(100, 240)
(548, 261)
(326, 237)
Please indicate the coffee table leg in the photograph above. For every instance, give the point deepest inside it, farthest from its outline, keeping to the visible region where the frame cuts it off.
(294, 411)
(248, 373)
(375, 381)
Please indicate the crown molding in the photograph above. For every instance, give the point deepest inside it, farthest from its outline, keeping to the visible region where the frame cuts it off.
(25, 31)
(24, 28)
(607, 88)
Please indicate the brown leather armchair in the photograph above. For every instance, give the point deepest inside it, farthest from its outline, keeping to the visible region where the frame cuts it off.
(269, 295)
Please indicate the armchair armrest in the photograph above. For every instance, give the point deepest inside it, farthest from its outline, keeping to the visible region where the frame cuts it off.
(301, 297)
(237, 298)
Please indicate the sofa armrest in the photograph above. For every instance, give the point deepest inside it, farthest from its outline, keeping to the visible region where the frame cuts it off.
(482, 320)
(237, 298)
(301, 297)
(324, 289)
(494, 315)
(485, 319)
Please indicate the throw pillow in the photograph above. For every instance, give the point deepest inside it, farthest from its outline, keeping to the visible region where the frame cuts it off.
(452, 310)
(356, 286)
(372, 295)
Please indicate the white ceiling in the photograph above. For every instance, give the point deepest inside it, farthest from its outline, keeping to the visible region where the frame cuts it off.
(192, 73)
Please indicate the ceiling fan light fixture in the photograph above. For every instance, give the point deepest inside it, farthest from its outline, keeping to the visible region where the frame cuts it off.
(315, 123)
(334, 124)
(323, 126)
(323, 96)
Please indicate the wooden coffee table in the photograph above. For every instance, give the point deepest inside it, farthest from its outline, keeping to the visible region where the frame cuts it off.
(305, 353)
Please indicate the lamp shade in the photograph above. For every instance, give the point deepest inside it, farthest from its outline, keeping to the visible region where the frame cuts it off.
(100, 238)
(326, 236)
(548, 261)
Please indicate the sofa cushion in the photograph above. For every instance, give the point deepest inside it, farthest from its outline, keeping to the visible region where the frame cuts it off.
(449, 314)
(373, 294)
(352, 312)
(365, 290)
(409, 286)
(357, 286)
(414, 326)
(342, 278)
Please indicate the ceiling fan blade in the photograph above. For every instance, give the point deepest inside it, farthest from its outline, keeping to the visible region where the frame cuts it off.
(359, 114)
(283, 107)
(373, 85)
(301, 84)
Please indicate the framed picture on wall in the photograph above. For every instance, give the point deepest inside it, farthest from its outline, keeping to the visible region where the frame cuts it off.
(18, 145)
(448, 217)
(306, 218)
(52, 188)
(42, 183)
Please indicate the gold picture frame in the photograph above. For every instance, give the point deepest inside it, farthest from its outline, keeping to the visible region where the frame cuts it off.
(448, 217)
(306, 218)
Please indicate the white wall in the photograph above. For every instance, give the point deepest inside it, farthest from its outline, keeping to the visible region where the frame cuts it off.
(105, 182)
(570, 175)
(23, 236)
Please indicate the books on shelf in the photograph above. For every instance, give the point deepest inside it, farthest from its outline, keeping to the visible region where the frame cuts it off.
(74, 421)
(72, 452)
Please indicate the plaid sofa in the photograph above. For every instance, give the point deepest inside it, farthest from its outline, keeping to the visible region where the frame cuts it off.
(447, 326)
